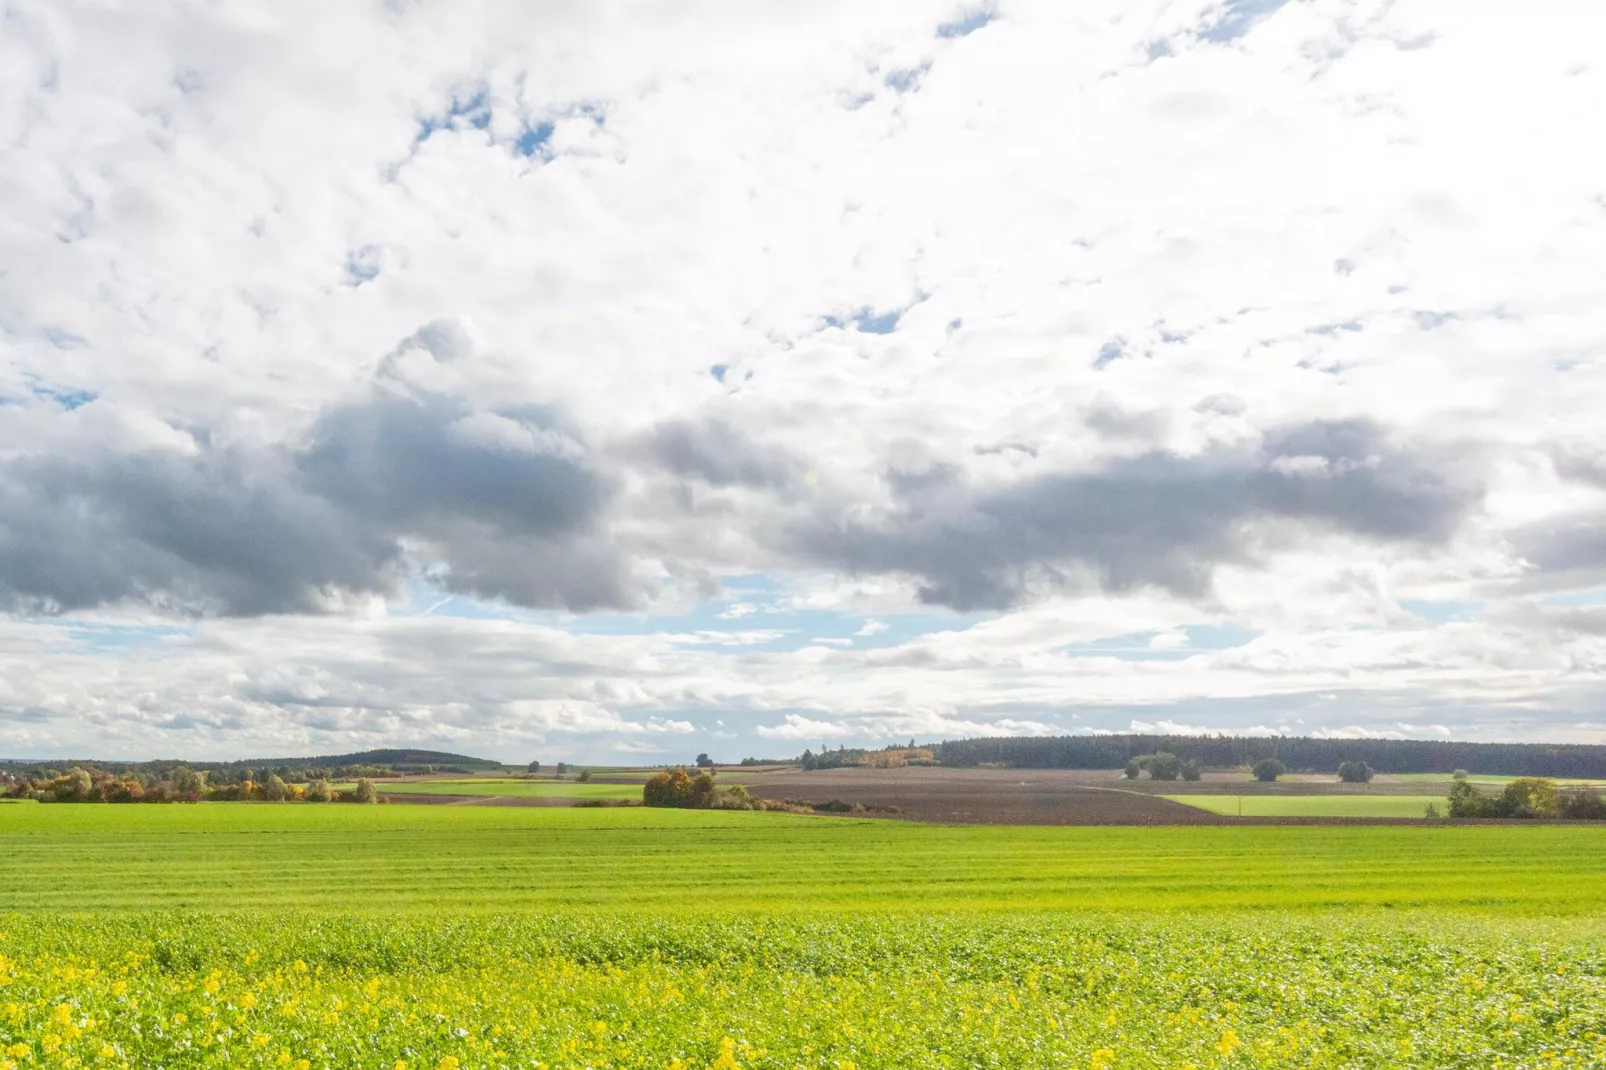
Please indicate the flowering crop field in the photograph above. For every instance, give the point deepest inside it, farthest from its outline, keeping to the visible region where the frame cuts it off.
(260, 935)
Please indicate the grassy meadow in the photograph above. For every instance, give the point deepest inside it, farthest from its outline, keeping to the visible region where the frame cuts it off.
(455, 937)
(1268, 805)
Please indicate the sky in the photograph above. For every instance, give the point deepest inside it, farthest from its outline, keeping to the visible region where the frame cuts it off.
(612, 382)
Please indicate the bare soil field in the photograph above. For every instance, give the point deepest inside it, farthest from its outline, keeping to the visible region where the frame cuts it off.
(982, 796)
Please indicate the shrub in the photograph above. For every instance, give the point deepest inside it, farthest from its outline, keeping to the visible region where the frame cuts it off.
(1459, 774)
(1268, 770)
(1582, 804)
(1133, 768)
(1354, 772)
(1191, 769)
(1431, 811)
(366, 792)
(533, 767)
(318, 791)
(585, 777)
(275, 789)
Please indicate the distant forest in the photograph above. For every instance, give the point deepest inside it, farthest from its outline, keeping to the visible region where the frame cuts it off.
(371, 763)
(1300, 754)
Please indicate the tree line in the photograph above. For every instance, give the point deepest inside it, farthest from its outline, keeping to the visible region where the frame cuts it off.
(1297, 753)
(183, 784)
(1525, 797)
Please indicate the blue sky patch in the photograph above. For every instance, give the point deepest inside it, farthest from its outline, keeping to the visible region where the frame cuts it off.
(966, 24)
(1238, 17)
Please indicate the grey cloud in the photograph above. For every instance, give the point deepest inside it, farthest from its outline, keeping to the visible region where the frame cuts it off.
(1155, 520)
(718, 454)
(501, 502)
(213, 531)
(1570, 551)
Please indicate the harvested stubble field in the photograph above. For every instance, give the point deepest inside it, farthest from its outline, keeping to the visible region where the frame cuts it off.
(317, 936)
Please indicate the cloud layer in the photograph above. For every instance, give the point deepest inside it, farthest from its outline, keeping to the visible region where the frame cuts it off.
(601, 380)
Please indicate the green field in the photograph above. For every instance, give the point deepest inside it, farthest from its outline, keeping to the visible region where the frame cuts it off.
(1480, 778)
(342, 936)
(513, 789)
(1313, 805)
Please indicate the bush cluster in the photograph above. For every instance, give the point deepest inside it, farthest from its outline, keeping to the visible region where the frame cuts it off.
(1527, 797)
(677, 787)
(1355, 772)
(1163, 765)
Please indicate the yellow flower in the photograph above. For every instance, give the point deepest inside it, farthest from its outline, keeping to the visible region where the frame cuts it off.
(448, 1063)
(302, 1064)
(259, 1040)
(1103, 1059)
(1227, 1044)
(726, 1059)
(62, 1014)
(180, 1019)
(108, 1052)
(399, 1064)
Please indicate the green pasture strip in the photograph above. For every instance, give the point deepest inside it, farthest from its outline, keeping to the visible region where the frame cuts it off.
(1483, 778)
(516, 789)
(412, 858)
(1312, 805)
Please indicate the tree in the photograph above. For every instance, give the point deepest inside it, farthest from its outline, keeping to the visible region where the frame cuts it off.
(79, 785)
(1459, 774)
(1164, 765)
(533, 767)
(275, 790)
(366, 792)
(1354, 772)
(1467, 801)
(1529, 796)
(1191, 769)
(189, 783)
(704, 761)
(585, 776)
(563, 767)
(1267, 770)
(318, 791)
(1133, 768)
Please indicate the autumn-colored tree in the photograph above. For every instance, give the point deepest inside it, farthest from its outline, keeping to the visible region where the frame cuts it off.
(366, 792)
(1529, 796)
(275, 790)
